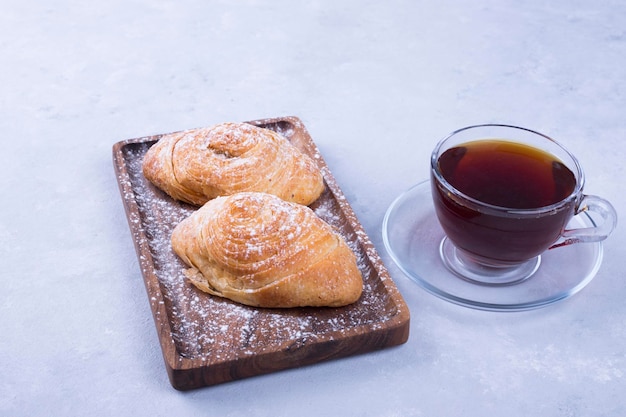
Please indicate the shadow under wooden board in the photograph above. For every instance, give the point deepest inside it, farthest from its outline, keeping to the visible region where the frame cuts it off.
(209, 340)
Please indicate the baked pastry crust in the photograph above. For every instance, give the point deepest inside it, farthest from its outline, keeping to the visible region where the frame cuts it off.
(198, 165)
(259, 250)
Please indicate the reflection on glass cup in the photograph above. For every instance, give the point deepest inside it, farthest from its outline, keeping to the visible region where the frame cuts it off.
(504, 195)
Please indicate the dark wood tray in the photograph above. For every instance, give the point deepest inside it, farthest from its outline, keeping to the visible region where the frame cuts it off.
(208, 340)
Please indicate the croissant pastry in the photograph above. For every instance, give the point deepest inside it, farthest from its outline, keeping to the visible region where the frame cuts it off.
(200, 164)
(259, 250)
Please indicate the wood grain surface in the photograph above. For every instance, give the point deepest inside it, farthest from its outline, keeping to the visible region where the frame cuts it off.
(208, 340)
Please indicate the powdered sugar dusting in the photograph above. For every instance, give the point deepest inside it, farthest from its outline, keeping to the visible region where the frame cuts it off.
(217, 330)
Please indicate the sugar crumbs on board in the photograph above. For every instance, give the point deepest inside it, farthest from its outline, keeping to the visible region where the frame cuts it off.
(216, 330)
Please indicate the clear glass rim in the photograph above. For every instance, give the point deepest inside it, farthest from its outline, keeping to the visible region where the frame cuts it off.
(576, 193)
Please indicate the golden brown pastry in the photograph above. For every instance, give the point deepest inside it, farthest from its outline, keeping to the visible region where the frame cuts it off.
(259, 250)
(200, 164)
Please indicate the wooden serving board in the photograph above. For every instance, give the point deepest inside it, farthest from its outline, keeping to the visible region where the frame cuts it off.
(208, 340)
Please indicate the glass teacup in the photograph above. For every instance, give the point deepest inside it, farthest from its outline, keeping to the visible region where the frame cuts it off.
(503, 196)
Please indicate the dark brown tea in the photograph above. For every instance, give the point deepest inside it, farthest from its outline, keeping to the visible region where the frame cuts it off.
(508, 175)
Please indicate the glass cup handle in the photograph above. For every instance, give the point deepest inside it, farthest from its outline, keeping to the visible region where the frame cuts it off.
(601, 231)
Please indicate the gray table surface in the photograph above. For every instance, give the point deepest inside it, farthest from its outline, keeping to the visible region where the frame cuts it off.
(377, 84)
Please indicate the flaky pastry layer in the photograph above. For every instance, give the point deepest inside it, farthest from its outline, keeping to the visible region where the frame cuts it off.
(259, 250)
(200, 164)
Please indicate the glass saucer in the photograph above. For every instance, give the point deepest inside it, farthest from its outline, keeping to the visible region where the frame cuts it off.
(412, 236)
